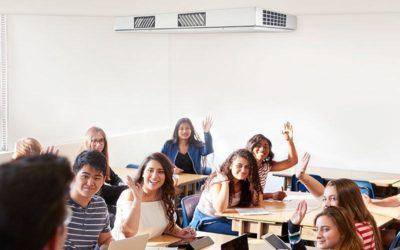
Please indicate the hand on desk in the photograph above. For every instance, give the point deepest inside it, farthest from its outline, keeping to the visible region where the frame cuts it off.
(280, 195)
(186, 233)
(300, 212)
(177, 170)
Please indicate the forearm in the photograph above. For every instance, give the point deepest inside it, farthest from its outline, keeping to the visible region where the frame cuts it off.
(173, 231)
(222, 198)
(315, 188)
(131, 225)
(393, 212)
(392, 201)
(268, 196)
(289, 162)
(208, 145)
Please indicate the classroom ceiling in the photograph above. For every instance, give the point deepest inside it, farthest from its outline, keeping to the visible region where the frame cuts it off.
(140, 7)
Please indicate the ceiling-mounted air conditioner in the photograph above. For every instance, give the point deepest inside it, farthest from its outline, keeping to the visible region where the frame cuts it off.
(251, 19)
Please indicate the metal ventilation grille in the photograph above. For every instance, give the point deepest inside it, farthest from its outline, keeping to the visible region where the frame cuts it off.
(271, 18)
(144, 22)
(192, 19)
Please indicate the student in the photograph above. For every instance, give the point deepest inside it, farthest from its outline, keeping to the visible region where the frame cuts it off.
(236, 185)
(113, 186)
(335, 229)
(90, 225)
(346, 194)
(147, 206)
(261, 147)
(185, 149)
(30, 147)
(32, 202)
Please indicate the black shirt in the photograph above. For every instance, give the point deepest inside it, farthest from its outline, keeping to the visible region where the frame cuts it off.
(184, 162)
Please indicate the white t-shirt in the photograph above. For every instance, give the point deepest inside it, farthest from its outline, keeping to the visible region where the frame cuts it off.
(153, 220)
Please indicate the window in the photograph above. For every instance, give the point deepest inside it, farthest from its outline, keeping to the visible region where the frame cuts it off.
(3, 83)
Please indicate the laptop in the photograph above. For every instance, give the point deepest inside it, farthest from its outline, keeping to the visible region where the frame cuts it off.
(137, 242)
(239, 243)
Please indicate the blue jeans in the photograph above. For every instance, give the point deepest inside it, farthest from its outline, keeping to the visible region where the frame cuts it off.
(207, 223)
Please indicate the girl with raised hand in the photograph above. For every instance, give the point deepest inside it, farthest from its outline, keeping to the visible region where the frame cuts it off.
(335, 229)
(147, 206)
(186, 150)
(236, 184)
(30, 147)
(96, 139)
(261, 147)
(346, 194)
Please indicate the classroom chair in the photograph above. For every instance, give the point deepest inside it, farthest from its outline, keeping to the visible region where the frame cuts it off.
(366, 188)
(395, 243)
(297, 186)
(189, 204)
(134, 166)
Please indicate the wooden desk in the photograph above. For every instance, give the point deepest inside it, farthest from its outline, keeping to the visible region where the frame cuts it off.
(281, 212)
(219, 239)
(184, 180)
(378, 178)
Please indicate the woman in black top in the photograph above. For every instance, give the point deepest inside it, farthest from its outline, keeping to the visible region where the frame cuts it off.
(113, 186)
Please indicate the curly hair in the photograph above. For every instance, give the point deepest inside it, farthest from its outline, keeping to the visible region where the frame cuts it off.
(167, 189)
(255, 142)
(251, 187)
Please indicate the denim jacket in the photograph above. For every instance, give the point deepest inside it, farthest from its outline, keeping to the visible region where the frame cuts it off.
(171, 149)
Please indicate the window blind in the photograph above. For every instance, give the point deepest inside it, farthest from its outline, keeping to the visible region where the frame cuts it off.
(3, 83)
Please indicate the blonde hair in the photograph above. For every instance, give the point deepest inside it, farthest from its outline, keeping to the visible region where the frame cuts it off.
(26, 147)
(88, 139)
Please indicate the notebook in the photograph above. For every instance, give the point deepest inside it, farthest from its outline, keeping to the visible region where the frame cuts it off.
(137, 242)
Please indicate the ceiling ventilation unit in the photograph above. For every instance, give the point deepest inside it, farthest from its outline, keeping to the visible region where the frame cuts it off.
(252, 19)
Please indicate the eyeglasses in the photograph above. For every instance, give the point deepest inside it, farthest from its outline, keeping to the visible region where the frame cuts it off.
(98, 140)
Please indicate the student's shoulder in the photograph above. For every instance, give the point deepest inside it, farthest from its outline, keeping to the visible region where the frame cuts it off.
(98, 201)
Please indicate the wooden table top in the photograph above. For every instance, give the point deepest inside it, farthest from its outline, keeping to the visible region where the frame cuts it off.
(281, 211)
(378, 178)
(183, 179)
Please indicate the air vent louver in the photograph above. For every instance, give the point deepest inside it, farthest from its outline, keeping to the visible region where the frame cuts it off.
(192, 19)
(276, 19)
(144, 22)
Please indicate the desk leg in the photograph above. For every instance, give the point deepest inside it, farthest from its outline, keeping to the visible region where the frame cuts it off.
(186, 190)
(285, 183)
(241, 227)
(193, 188)
(259, 230)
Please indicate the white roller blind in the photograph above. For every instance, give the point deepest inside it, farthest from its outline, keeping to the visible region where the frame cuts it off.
(3, 83)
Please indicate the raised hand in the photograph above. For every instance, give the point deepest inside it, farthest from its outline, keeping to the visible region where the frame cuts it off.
(300, 212)
(50, 150)
(302, 167)
(136, 188)
(207, 123)
(186, 233)
(287, 131)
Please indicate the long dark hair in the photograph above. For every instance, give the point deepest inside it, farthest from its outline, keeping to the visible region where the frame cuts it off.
(248, 196)
(255, 141)
(349, 197)
(167, 189)
(349, 240)
(194, 138)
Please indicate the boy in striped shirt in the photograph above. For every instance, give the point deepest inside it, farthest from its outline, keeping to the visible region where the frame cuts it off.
(89, 227)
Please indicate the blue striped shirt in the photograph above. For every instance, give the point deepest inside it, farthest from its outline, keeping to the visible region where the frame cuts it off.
(87, 223)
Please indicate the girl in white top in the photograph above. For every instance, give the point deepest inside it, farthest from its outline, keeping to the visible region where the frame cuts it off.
(147, 206)
(236, 184)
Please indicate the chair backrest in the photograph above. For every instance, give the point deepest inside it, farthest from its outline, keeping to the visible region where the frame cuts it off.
(366, 187)
(395, 243)
(298, 186)
(189, 204)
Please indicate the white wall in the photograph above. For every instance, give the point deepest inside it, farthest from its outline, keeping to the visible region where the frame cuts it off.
(335, 78)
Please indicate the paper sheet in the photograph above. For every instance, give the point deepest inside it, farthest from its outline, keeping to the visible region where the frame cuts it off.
(252, 211)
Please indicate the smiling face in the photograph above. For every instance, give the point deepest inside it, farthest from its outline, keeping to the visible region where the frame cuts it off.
(261, 150)
(88, 181)
(328, 235)
(240, 168)
(97, 142)
(330, 197)
(153, 176)
(184, 131)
